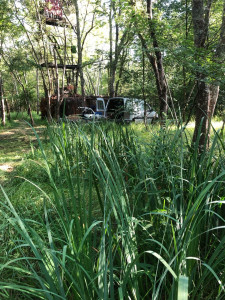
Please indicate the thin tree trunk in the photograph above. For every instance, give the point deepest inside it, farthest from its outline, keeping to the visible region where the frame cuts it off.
(2, 102)
(143, 88)
(3, 111)
(156, 62)
(111, 79)
(38, 94)
(80, 58)
(38, 58)
(115, 52)
(162, 86)
(214, 93)
(27, 98)
(30, 114)
(57, 87)
(7, 109)
(122, 62)
(98, 82)
(76, 82)
(64, 67)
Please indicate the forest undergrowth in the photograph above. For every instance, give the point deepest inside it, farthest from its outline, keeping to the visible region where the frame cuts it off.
(106, 211)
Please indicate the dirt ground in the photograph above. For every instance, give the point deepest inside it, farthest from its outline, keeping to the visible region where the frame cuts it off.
(14, 143)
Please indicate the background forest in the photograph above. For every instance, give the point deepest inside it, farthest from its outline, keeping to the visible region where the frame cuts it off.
(101, 210)
(157, 50)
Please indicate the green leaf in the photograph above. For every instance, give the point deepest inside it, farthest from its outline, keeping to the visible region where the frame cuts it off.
(182, 288)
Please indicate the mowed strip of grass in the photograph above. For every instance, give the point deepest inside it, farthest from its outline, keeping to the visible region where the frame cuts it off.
(16, 140)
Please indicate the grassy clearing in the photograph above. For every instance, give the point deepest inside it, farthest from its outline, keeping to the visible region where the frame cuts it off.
(115, 212)
(16, 140)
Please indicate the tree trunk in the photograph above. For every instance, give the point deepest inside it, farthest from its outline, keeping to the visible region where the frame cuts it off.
(214, 93)
(161, 78)
(111, 79)
(48, 99)
(156, 62)
(122, 62)
(8, 109)
(37, 57)
(201, 114)
(207, 93)
(3, 111)
(118, 48)
(80, 58)
(200, 25)
(2, 102)
(57, 87)
(38, 95)
(30, 114)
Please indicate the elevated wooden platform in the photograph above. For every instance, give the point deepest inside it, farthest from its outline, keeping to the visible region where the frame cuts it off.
(57, 22)
(60, 66)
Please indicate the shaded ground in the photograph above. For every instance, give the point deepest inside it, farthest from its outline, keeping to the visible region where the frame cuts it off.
(14, 144)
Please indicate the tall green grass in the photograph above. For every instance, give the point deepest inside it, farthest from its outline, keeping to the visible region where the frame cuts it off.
(123, 217)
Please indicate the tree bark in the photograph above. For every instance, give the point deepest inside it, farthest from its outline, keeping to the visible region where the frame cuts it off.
(111, 79)
(58, 102)
(2, 102)
(38, 94)
(200, 25)
(156, 61)
(39, 57)
(115, 51)
(162, 86)
(207, 93)
(159, 79)
(201, 114)
(8, 109)
(80, 55)
(23, 85)
(30, 114)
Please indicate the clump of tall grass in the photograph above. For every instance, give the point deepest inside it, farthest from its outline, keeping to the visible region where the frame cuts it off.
(125, 218)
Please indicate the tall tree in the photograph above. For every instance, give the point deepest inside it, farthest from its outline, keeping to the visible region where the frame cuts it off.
(80, 52)
(120, 36)
(2, 101)
(155, 57)
(207, 90)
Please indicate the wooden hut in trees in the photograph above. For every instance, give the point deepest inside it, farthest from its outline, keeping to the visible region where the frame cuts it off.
(72, 105)
(53, 13)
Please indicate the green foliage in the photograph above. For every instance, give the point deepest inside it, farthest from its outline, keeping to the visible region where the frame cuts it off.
(118, 214)
(27, 94)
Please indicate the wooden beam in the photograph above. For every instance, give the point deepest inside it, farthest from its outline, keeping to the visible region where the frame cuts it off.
(60, 66)
(56, 22)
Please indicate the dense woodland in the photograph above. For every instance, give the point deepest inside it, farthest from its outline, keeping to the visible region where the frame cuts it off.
(170, 53)
(102, 210)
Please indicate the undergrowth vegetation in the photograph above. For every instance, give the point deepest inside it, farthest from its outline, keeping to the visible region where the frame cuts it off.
(113, 214)
(12, 122)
